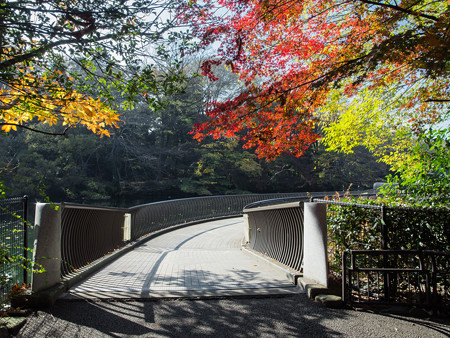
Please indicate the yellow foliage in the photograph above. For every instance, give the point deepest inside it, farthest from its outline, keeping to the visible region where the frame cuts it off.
(31, 98)
(368, 120)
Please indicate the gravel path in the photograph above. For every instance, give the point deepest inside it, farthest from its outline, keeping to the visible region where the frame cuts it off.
(288, 316)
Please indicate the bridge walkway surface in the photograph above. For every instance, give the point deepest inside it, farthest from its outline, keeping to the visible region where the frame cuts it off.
(201, 260)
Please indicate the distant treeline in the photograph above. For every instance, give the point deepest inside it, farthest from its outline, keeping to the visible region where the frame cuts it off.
(153, 157)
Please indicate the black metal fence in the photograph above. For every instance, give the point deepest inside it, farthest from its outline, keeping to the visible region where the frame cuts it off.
(14, 243)
(409, 277)
(276, 226)
(394, 254)
(403, 227)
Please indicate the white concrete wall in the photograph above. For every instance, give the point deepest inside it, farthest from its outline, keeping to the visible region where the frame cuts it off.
(47, 246)
(315, 254)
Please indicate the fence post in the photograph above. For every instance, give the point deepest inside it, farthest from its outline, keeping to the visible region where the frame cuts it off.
(47, 246)
(25, 236)
(384, 229)
(385, 246)
(344, 277)
(315, 256)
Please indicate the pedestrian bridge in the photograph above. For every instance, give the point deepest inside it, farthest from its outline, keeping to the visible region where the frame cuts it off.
(201, 260)
(207, 246)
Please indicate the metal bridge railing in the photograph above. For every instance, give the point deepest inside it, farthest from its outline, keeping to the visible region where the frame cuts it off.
(151, 217)
(277, 232)
(276, 226)
(89, 233)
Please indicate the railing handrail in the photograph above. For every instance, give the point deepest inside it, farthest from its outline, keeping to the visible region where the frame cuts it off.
(282, 204)
(70, 205)
(313, 197)
(217, 197)
(130, 209)
(316, 196)
(378, 206)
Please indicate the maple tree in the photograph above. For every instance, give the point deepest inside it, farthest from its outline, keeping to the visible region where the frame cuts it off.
(64, 62)
(302, 62)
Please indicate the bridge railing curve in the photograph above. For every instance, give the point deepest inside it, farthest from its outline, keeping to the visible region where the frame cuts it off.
(152, 217)
(89, 234)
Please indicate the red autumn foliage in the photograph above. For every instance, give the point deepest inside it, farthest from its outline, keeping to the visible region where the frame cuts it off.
(289, 54)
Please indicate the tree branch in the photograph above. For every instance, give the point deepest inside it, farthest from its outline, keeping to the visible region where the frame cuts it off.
(401, 9)
(43, 49)
(37, 130)
(437, 100)
(9, 105)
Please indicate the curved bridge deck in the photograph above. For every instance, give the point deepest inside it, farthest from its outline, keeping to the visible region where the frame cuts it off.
(196, 261)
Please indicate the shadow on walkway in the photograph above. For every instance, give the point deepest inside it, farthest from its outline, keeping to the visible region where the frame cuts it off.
(206, 257)
(291, 316)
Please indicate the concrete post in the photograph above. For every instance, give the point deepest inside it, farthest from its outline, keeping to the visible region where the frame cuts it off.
(246, 228)
(315, 254)
(47, 246)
